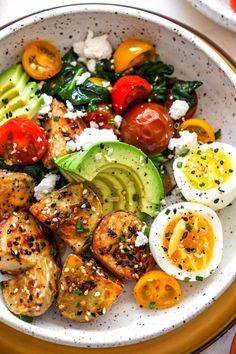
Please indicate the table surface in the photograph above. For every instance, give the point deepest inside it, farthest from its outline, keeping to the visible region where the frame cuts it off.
(177, 9)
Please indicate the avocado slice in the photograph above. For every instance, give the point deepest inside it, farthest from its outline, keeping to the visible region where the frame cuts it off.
(14, 91)
(10, 78)
(19, 101)
(100, 159)
(104, 194)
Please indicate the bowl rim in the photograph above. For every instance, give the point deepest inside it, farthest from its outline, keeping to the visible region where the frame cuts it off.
(202, 43)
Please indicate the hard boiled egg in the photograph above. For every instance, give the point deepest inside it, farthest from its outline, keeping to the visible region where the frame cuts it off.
(207, 174)
(186, 241)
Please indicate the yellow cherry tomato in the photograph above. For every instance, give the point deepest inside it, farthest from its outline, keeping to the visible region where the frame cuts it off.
(101, 82)
(132, 52)
(204, 131)
(157, 290)
(41, 60)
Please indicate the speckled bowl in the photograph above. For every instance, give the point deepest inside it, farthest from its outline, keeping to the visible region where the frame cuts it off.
(218, 11)
(193, 59)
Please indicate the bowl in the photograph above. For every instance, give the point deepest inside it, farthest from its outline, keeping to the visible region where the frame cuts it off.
(126, 323)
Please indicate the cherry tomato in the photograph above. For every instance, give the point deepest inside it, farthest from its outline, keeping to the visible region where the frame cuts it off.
(127, 90)
(233, 4)
(103, 116)
(157, 290)
(203, 129)
(23, 142)
(190, 112)
(147, 126)
(41, 60)
(132, 52)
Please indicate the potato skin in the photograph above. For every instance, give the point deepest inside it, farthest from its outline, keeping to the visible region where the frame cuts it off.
(85, 290)
(31, 293)
(59, 131)
(22, 241)
(63, 209)
(114, 246)
(16, 191)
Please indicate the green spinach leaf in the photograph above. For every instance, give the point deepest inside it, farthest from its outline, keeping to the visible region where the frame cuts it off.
(105, 70)
(183, 90)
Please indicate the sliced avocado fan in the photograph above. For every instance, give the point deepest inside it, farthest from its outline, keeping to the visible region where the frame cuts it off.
(18, 97)
(122, 176)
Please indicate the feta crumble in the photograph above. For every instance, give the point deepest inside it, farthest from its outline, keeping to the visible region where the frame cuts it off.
(141, 239)
(70, 115)
(46, 186)
(118, 121)
(93, 49)
(186, 140)
(47, 104)
(90, 136)
(178, 109)
(80, 79)
(69, 105)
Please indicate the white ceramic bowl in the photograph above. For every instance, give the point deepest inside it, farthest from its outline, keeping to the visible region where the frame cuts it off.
(193, 59)
(218, 11)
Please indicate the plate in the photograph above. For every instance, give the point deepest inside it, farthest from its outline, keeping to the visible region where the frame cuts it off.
(218, 11)
(126, 323)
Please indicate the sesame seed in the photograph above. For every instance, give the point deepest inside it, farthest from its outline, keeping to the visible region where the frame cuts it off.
(62, 287)
(66, 270)
(104, 310)
(85, 191)
(86, 292)
(97, 294)
(83, 206)
(15, 291)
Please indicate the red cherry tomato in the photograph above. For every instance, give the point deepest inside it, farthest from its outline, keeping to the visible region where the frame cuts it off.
(103, 116)
(23, 142)
(233, 4)
(189, 113)
(128, 89)
(147, 126)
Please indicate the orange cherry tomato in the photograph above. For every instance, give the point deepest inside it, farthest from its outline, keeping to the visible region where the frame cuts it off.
(233, 4)
(147, 126)
(132, 52)
(157, 290)
(128, 89)
(203, 129)
(41, 60)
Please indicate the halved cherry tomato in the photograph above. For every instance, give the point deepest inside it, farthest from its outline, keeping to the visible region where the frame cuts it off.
(23, 142)
(157, 290)
(127, 90)
(41, 60)
(190, 112)
(233, 4)
(204, 131)
(147, 126)
(132, 52)
(103, 116)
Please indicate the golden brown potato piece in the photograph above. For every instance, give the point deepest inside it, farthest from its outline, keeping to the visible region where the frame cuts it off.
(16, 190)
(71, 212)
(31, 293)
(85, 291)
(22, 241)
(59, 130)
(114, 245)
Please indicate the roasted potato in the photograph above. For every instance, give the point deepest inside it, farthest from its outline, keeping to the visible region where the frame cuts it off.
(71, 212)
(22, 242)
(85, 290)
(16, 190)
(31, 293)
(59, 130)
(114, 245)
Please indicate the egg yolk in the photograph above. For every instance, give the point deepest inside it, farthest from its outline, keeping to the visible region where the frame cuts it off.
(188, 242)
(207, 169)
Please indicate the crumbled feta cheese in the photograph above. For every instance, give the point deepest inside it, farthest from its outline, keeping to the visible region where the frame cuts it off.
(69, 105)
(178, 109)
(73, 63)
(90, 136)
(94, 125)
(81, 114)
(118, 120)
(47, 185)
(93, 49)
(70, 115)
(186, 140)
(141, 239)
(47, 104)
(80, 79)
(40, 84)
(106, 83)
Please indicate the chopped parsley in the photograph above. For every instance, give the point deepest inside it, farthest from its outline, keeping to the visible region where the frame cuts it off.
(2, 285)
(218, 134)
(80, 229)
(147, 231)
(188, 227)
(202, 184)
(185, 234)
(56, 118)
(198, 278)
(54, 252)
(179, 164)
(152, 305)
(77, 291)
(167, 212)
(135, 197)
(184, 152)
(186, 279)
(26, 318)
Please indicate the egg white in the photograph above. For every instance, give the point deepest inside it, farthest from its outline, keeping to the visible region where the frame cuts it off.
(216, 198)
(157, 234)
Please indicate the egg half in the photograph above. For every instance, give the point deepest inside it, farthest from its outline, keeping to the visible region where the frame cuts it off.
(207, 174)
(186, 241)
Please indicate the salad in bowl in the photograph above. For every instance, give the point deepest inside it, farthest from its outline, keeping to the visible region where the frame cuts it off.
(95, 147)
